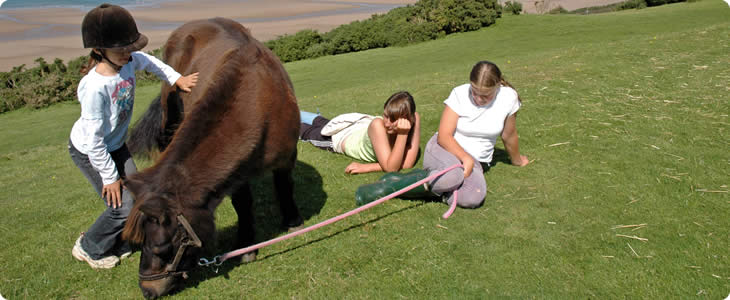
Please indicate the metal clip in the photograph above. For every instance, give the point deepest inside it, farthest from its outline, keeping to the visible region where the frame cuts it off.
(206, 263)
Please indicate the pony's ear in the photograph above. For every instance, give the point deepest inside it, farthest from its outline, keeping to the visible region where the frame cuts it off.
(143, 209)
(145, 206)
(133, 231)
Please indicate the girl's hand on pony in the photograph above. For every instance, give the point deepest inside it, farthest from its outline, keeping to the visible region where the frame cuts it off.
(186, 83)
(113, 194)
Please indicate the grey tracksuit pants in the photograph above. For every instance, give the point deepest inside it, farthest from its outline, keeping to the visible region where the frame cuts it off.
(472, 189)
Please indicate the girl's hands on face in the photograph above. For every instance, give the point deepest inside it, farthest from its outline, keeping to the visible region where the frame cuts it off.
(401, 126)
(186, 83)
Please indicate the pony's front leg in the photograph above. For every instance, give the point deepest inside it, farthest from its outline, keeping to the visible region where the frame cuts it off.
(242, 200)
(284, 189)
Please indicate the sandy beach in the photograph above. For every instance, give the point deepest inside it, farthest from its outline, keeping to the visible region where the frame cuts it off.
(56, 32)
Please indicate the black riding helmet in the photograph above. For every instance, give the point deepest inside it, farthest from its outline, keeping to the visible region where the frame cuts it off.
(111, 27)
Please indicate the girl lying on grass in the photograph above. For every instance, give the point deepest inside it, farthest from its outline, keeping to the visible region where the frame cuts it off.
(388, 143)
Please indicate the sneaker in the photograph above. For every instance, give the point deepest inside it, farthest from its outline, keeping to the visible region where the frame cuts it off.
(125, 254)
(123, 251)
(102, 263)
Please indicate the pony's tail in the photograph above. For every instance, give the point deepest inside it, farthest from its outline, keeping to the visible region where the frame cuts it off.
(147, 134)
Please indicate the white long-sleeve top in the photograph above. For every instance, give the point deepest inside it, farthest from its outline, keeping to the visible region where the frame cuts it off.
(106, 110)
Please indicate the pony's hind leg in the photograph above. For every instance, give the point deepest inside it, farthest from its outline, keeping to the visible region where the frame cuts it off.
(242, 200)
(284, 189)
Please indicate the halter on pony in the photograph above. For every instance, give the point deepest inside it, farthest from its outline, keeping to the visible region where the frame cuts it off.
(189, 239)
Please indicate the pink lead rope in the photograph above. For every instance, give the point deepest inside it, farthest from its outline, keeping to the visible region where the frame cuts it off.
(218, 260)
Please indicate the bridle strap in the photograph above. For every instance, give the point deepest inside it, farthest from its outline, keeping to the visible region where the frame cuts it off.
(190, 240)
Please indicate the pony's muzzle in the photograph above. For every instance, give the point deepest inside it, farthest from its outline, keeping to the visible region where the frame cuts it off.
(152, 289)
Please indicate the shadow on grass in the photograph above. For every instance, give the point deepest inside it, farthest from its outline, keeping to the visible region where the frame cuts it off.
(310, 198)
(499, 156)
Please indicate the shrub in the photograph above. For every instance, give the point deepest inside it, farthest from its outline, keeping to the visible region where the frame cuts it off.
(46, 83)
(558, 10)
(293, 47)
(426, 20)
(37, 87)
(513, 6)
(632, 4)
(661, 2)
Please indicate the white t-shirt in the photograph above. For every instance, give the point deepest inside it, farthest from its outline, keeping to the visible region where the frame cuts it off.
(106, 110)
(479, 126)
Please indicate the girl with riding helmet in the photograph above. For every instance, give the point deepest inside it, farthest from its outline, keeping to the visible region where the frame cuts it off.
(96, 144)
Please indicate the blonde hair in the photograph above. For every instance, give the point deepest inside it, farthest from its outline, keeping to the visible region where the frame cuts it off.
(400, 105)
(486, 76)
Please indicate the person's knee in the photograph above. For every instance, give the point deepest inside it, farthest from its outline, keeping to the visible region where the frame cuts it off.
(447, 182)
(472, 199)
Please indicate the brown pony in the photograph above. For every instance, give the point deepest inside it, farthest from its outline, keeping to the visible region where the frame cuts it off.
(240, 120)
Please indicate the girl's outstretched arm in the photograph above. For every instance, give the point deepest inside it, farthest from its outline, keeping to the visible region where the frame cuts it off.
(360, 168)
(511, 141)
(186, 83)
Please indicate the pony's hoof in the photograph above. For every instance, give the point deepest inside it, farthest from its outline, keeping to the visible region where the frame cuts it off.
(248, 257)
(295, 228)
(293, 223)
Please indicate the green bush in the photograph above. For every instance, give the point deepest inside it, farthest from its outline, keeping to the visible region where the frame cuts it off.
(37, 87)
(513, 7)
(294, 47)
(558, 10)
(632, 4)
(661, 2)
(46, 83)
(423, 21)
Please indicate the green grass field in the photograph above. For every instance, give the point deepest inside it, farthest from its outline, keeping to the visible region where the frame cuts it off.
(625, 117)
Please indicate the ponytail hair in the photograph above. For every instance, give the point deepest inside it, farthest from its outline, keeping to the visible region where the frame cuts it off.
(94, 59)
(486, 75)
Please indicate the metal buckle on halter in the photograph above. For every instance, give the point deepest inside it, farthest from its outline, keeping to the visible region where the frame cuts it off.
(191, 239)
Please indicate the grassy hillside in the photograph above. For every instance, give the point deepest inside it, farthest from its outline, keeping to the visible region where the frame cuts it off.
(625, 117)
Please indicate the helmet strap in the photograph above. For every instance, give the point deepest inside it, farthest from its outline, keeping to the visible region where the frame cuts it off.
(103, 55)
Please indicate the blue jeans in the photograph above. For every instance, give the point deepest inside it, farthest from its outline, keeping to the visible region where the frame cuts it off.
(307, 117)
(103, 238)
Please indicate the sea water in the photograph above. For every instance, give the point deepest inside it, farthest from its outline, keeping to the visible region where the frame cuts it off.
(81, 4)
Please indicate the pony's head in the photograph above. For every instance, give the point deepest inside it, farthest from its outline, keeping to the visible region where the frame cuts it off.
(168, 236)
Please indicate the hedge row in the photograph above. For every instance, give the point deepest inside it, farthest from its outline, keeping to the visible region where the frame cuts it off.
(423, 21)
(46, 83)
